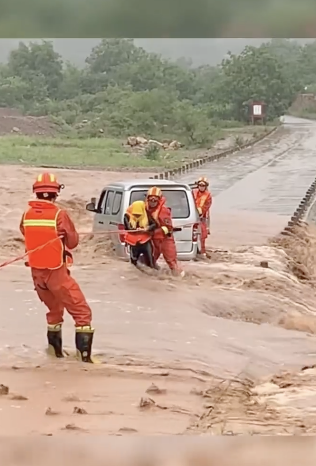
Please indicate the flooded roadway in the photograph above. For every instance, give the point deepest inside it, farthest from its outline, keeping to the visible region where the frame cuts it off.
(258, 189)
(138, 325)
(160, 325)
(270, 176)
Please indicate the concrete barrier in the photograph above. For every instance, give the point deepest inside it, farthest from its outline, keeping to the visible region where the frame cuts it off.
(169, 174)
(299, 215)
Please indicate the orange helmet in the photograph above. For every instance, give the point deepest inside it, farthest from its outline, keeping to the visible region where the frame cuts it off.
(203, 180)
(154, 192)
(47, 183)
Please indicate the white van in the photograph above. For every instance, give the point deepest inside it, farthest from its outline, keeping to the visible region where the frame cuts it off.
(115, 198)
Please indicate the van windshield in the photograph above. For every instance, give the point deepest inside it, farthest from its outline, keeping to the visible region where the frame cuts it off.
(177, 200)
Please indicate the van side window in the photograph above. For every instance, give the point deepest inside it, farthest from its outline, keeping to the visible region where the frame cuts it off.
(108, 203)
(117, 202)
(101, 202)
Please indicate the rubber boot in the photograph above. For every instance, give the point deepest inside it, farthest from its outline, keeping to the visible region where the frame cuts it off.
(178, 273)
(55, 343)
(84, 339)
(201, 256)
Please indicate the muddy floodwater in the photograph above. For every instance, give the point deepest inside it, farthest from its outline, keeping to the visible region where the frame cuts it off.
(230, 333)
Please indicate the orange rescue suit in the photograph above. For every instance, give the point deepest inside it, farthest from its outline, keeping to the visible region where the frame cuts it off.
(203, 202)
(162, 238)
(162, 216)
(44, 223)
(40, 229)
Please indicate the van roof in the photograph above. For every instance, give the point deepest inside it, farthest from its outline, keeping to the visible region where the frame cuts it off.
(126, 185)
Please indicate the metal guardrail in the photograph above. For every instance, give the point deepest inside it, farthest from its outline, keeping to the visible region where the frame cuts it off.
(169, 174)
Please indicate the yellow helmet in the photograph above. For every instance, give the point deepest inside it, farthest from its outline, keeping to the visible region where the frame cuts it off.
(154, 191)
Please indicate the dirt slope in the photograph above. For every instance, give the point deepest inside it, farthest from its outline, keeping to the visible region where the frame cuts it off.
(13, 122)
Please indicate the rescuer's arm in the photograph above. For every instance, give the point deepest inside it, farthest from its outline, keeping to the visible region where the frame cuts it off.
(206, 205)
(127, 225)
(166, 220)
(21, 225)
(152, 224)
(67, 229)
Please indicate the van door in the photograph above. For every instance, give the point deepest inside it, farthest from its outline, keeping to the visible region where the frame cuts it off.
(116, 212)
(98, 219)
(117, 217)
(103, 217)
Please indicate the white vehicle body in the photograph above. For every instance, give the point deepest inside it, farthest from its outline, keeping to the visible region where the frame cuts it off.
(115, 198)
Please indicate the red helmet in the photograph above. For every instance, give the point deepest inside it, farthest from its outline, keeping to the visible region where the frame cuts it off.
(47, 183)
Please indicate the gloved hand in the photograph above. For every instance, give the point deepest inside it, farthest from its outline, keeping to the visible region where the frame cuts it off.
(165, 230)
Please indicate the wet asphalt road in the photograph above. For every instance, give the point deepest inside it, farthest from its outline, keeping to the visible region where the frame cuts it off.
(271, 177)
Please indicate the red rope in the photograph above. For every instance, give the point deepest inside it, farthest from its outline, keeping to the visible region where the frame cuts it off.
(19, 258)
(23, 256)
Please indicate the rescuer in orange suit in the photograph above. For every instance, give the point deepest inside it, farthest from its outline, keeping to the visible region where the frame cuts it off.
(203, 201)
(139, 226)
(47, 226)
(162, 237)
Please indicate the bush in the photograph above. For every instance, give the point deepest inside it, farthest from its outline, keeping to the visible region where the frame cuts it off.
(152, 152)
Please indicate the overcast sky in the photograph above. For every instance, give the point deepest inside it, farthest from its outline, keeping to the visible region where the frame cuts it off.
(200, 51)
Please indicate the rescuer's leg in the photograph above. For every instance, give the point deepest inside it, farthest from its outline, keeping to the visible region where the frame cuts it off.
(169, 252)
(68, 291)
(134, 255)
(54, 315)
(203, 238)
(84, 340)
(77, 306)
(148, 254)
(55, 341)
(157, 249)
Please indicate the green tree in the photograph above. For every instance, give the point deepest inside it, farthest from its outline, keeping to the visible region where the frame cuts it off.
(28, 62)
(149, 112)
(71, 82)
(256, 74)
(307, 65)
(111, 53)
(209, 83)
(12, 92)
(194, 123)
